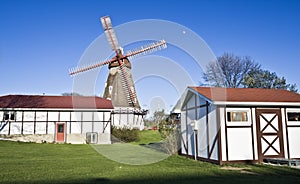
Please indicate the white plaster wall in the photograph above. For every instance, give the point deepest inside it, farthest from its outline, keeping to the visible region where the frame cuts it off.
(76, 128)
(15, 128)
(40, 116)
(294, 138)
(28, 128)
(98, 126)
(183, 132)
(106, 116)
(52, 116)
(28, 116)
(64, 116)
(18, 116)
(76, 139)
(86, 127)
(87, 116)
(239, 144)
(40, 128)
(213, 132)
(284, 130)
(202, 133)
(51, 127)
(191, 101)
(98, 116)
(76, 116)
(293, 135)
(191, 117)
(202, 137)
(126, 120)
(200, 101)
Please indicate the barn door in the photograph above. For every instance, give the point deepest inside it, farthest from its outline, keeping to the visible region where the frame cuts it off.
(269, 134)
(60, 132)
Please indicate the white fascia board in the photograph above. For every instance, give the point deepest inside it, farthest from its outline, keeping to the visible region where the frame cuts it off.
(184, 98)
(258, 103)
(177, 108)
(201, 96)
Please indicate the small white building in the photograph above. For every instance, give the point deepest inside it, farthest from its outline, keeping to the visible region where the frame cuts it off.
(128, 117)
(239, 125)
(64, 119)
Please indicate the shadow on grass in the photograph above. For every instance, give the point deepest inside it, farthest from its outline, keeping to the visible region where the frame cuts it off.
(258, 174)
(178, 180)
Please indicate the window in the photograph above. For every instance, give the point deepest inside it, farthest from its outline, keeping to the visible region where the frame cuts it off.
(60, 128)
(6, 116)
(110, 89)
(237, 116)
(91, 137)
(9, 116)
(293, 116)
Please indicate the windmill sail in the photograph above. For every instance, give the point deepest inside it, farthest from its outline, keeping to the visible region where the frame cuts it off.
(119, 86)
(110, 33)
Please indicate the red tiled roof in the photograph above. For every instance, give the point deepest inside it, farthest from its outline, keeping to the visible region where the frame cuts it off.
(60, 102)
(247, 94)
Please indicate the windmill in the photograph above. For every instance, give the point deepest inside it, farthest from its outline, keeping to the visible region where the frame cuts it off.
(119, 86)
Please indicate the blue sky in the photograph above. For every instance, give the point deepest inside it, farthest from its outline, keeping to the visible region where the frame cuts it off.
(41, 39)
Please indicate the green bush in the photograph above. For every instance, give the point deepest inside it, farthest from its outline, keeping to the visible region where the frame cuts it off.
(125, 134)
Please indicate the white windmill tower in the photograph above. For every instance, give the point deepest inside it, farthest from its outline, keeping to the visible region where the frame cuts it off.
(119, 85)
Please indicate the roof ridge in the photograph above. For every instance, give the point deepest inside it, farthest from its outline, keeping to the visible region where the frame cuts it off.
(247, 94)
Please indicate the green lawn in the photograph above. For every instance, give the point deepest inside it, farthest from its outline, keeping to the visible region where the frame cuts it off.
(148, 136)
(64, 163)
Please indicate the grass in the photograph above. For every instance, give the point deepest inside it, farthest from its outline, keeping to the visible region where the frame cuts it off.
(65, 163)
(148, 136)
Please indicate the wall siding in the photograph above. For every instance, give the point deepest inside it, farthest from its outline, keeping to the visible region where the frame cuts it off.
(204, 116)
(293, 135)
(39, 122)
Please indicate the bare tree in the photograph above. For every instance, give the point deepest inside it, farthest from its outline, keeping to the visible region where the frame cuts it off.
(229, 70)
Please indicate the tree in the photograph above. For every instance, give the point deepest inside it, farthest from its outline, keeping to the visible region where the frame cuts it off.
(235, 71)
(229, 70)
(265, 79)
(159, 116)
(168, 130)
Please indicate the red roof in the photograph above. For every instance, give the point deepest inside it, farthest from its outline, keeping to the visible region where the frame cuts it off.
(247, 94)
(59, 102)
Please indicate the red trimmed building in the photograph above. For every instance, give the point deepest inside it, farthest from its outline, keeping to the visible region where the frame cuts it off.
(66, 119)
(233, 125)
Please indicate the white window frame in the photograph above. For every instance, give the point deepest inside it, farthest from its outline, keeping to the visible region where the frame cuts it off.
(239, 123)
(287, 118)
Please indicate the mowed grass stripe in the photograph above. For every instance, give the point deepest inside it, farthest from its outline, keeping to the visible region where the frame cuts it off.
(64, 163)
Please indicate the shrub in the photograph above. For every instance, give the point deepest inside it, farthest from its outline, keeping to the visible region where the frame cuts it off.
(171, 134)
(125, 134)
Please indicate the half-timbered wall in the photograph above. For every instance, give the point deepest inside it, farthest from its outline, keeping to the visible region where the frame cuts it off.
(238, 138)
(126, 117)
(238, 133)
(199, 128)
(28, 121)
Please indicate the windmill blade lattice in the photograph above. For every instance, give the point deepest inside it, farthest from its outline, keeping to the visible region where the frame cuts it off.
(110, 33)
(119, 60)
(147, 49)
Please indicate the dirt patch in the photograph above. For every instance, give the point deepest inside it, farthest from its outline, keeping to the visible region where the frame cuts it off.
(242, 170)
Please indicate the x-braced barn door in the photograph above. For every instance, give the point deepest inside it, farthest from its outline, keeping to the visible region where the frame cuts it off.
(269, 134)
